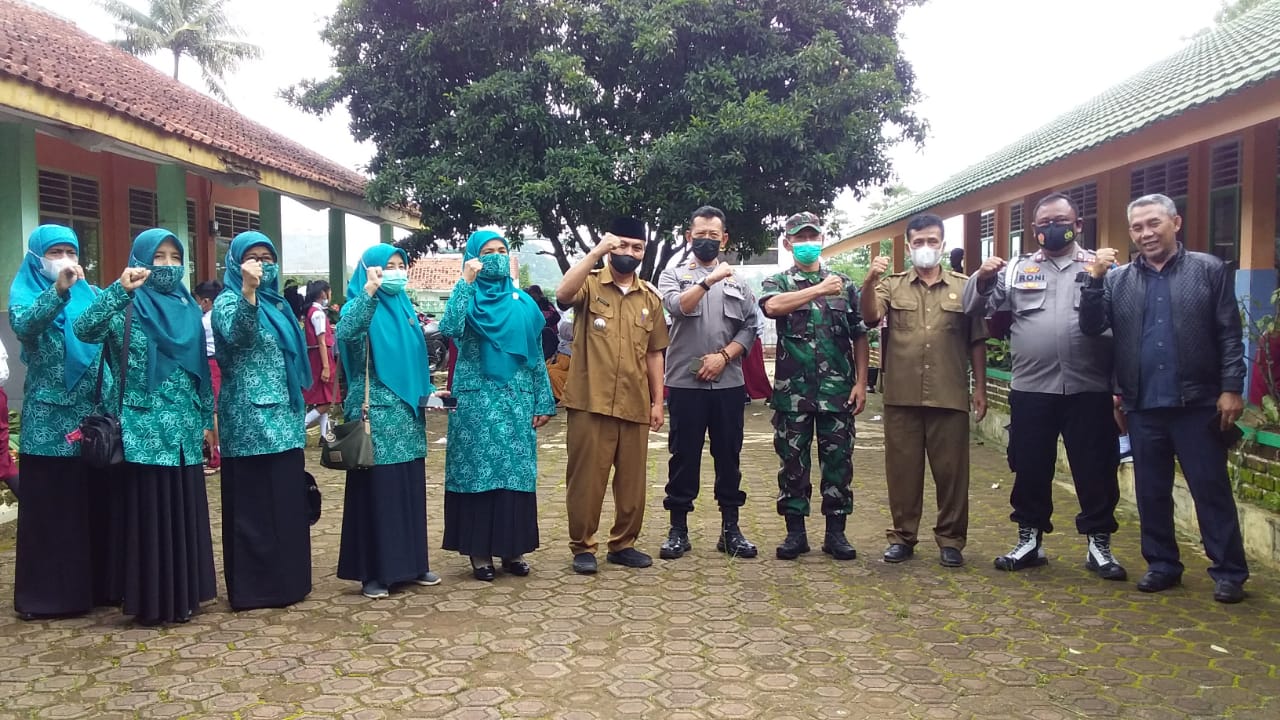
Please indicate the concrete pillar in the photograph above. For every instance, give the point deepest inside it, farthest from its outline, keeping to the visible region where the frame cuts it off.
(19, 203)
(338, 254)
(387, 233)
(972, 241)
(1256, 278)
(270, 224)
(171, 213)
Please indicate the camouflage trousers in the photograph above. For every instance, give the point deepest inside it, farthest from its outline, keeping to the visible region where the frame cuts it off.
(792, 438)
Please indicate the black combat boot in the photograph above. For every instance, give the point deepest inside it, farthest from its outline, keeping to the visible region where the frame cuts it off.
(797, 542)
(677, 542)
(835, 543)
(731, 540)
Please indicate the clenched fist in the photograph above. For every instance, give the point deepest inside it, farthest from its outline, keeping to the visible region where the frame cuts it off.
(471, 268)
(373, 280)
(990, 267)
(133, 277)
(878, 268)
(722, 271)
(251, 272)
(68, 277)
(832, 284)
(1102, 262)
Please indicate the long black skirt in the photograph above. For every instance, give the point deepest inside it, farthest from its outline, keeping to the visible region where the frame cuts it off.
(266, 533)
(68, 525)
(384, 524)
(497, 523)
(168, 549)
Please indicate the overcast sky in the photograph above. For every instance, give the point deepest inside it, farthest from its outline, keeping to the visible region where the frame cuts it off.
(989, 71)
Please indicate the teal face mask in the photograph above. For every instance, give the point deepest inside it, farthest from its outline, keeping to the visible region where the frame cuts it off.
(496, 266)
(806, 253)
(270, 273)
(165, 278)
(394, 281)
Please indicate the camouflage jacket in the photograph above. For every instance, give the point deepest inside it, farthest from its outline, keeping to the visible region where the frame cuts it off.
(814, 369)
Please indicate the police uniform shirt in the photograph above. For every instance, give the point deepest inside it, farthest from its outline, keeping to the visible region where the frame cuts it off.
(726, 313)
(927, 356)
(1050, 353)
(613, 331)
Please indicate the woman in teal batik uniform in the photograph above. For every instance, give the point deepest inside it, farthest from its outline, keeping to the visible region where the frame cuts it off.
(63, 558)
(491, 468)
(384, 519)
(168, 413)
(266, 536)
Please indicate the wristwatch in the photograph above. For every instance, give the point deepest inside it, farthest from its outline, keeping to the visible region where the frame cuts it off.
(703, 284)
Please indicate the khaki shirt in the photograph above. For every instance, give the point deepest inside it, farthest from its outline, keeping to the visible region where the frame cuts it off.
(927, 355)
(612, 333)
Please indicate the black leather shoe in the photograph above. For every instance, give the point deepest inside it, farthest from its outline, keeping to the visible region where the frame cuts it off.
(630, 557)
(483, 572)
(1155, 581)
(898, 552)
(733, 543)
(584, 563)
(676, 544)
(950, 557)
(516, 567)
(1228, 591)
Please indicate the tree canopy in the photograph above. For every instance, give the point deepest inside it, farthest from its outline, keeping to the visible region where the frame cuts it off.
(558, 115)
(198, 29)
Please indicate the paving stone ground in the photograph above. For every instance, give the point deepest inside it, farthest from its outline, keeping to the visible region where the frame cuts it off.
(700, 637)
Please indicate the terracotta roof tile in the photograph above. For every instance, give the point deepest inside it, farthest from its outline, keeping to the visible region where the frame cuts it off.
(439, 273)
(54, 54)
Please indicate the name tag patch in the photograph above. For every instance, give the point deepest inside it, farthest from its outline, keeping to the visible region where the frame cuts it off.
(1030, 277)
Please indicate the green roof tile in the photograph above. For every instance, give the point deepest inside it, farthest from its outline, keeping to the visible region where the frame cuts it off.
(1225, 61)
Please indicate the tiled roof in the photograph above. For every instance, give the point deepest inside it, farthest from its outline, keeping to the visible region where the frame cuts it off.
(439, 273)
(1225, 61)
(51, 53)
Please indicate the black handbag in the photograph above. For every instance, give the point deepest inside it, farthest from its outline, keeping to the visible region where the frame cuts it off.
(101, 436)
(349, 446)
(313, 499)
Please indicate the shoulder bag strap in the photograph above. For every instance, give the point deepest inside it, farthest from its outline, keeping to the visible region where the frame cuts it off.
(97, 393)
(364, 409)
(124, 357)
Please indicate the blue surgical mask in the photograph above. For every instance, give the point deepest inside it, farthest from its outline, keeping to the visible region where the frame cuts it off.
(270, 273)
(806, 253)
(394, 281)
(496, 266)
(165, 278)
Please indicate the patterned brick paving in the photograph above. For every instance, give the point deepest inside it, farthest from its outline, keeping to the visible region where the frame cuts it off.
(701, 637)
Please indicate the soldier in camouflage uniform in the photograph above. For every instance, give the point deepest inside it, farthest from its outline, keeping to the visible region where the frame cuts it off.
(820, 383)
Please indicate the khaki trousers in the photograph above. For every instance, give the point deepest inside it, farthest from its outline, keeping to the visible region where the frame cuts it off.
(596, 443)
(911, 433)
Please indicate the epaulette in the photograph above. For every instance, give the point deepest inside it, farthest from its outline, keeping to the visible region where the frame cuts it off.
(960, 275)
(899, 274)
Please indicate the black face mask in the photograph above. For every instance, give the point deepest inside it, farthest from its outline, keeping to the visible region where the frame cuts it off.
(623, 264)
(1055, 237)
(706, 249)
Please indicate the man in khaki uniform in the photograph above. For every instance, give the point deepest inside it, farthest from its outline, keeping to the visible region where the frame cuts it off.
(926, 391)
(613, 394)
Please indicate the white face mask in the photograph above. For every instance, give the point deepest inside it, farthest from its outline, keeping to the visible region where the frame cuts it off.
(52, 268)
(926, 257)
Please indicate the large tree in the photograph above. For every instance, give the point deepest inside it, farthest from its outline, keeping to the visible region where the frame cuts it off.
(556, 115)
(198, 29)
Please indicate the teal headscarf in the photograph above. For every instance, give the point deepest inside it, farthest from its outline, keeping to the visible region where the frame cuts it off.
(272, 308)
(171, 320)
(399, 352)
(29, 283)
(507, 320)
